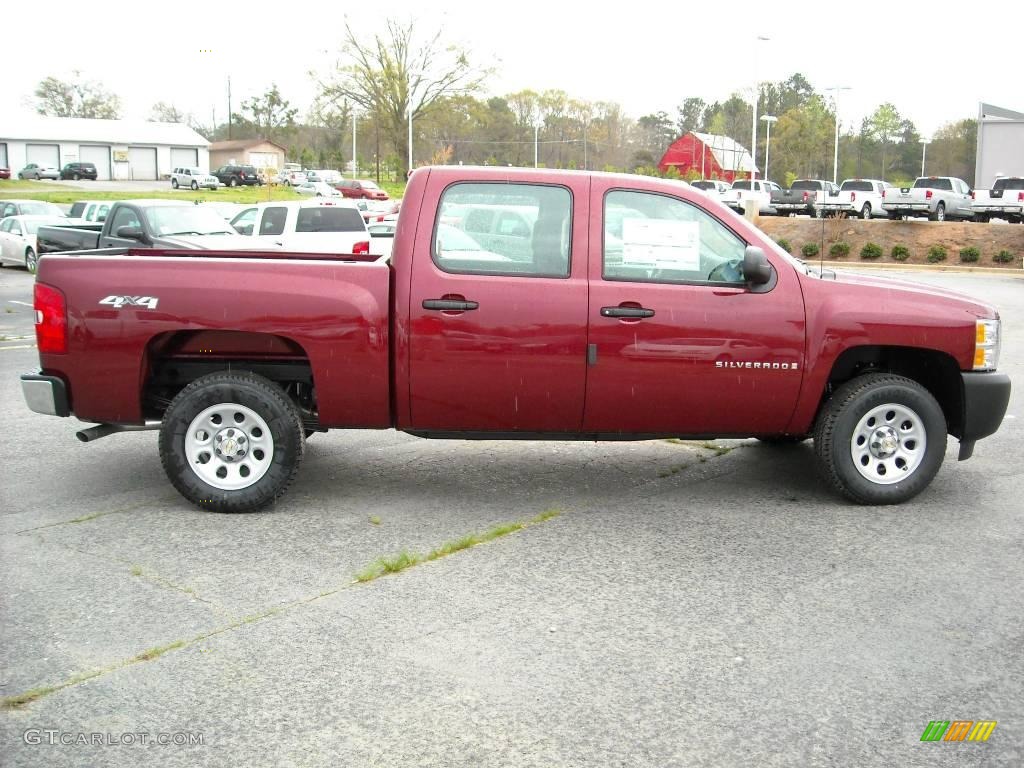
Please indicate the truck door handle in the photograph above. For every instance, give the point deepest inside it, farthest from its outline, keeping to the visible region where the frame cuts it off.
(630, 312)
(449, 304)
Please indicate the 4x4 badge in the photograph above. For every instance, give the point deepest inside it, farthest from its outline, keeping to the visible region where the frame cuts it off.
(145, 302)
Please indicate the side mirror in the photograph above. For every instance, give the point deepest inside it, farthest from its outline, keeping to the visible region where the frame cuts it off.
(130, 233)
(756, 269)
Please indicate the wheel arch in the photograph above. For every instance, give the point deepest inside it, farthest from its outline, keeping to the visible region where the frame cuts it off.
(936, 371)
(174, 359)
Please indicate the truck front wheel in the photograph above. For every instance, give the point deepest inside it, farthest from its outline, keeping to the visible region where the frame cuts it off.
(231, 442)
(880, 439)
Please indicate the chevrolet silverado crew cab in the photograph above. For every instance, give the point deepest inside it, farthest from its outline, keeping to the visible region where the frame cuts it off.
(627, 308)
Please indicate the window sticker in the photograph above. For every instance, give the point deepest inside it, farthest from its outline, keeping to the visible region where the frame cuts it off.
(661, 244)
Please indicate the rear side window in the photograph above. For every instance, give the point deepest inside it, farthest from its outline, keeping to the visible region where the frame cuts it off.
(856, 186)
(273, 221)
(504, 229)
(329, 219)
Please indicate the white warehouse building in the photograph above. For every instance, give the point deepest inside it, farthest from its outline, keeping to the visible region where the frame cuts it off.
(120, 149)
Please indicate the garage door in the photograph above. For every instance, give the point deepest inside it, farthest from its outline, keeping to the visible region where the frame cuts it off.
(98, 156)
(3, 156)
(142, 161)
(43, 154)
(182, 157)
(263, 159)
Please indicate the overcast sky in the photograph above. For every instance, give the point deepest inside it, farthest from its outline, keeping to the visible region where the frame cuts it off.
(935, 67)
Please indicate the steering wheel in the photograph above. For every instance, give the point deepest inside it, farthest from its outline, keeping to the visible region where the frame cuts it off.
(727, 272)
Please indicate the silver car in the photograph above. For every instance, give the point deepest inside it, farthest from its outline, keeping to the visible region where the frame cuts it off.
(34, 171)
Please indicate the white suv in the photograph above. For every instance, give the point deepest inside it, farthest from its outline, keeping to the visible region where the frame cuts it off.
(193, 178)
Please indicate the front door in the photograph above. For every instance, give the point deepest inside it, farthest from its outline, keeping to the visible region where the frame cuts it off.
(682, 345)
(498, 319)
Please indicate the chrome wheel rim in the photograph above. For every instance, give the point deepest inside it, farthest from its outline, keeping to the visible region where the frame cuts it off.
(31, 261)
(229, 446)
(888, 444)
(940, 213)
(865, 212)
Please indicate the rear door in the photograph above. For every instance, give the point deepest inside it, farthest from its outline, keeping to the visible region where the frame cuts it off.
(497, 333)
(681, 345)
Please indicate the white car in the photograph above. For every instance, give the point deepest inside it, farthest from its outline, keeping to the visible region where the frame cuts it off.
(193, 178)
(305, 226)
(18, 239)
(713, 188)
(317, 189)
(293, 178)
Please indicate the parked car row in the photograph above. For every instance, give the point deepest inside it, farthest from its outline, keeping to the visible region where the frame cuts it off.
(934, 197)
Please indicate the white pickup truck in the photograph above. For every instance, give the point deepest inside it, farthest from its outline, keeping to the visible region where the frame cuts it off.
(1004, 201)
(857, 197)
(746, 189)
(305, 226)
(937, 197)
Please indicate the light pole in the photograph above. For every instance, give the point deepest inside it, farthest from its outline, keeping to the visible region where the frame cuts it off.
(410, 143)
(924, 153)
(753, 123)
(355, 116)
(536, 135)
(769, 119)
(835, 157)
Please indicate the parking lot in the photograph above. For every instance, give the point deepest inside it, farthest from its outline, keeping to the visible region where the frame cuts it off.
(692, 604)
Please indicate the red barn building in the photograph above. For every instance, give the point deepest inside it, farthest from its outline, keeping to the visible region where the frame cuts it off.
(710, 156)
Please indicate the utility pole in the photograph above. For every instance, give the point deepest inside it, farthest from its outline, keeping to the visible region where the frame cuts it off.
(229, 107)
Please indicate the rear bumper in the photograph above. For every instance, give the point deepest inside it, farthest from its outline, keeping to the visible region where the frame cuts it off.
(986, 396)
(45, 394)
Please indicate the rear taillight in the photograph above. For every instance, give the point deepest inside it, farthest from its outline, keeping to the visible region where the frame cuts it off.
(1020, 197)
(883, 194)
(853, 196)
(972, 194)
(927, 194)
(361, 248)
(805, 197)
(51, 320)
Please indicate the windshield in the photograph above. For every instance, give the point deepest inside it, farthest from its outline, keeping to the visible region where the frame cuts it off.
(41, 209)
(856, 186)
(327, 219)
(187, 220)
(1014, 183)
(933, 184)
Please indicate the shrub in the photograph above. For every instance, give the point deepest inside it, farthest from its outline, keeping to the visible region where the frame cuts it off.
(1003, 257)
(969, 254)
(839, 250)
(900, 253)
(872, 251)
(783, 243)
(936, 253)
(810, 250)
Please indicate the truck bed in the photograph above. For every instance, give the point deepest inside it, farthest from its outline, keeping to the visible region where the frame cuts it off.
(329, 310)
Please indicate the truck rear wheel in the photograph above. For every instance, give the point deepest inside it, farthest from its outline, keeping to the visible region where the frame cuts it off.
(231, 442)
(940, 213)
(880, 439)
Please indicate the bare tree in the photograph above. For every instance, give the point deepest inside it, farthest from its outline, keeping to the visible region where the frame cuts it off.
(272, 114)
(162, 112)
(76, 98)
(397, 73)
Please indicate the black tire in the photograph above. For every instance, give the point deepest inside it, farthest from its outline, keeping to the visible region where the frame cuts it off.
(253, 392)
(839, 418)
(31, 261)
(865, 212)
(233, 181)
(195, 184)
(76, 177)
(174, 183)
(940, 212)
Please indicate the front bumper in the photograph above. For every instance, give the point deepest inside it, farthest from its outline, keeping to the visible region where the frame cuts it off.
(986, 396)
(45, 394)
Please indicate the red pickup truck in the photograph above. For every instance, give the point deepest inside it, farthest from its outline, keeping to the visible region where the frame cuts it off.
(533, 304)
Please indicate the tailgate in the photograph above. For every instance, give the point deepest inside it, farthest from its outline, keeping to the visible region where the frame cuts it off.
(336, 312)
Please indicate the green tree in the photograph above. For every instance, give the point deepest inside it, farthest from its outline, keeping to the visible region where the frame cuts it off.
(76, 98)
(691, 115)
(398, 73)
(270, 114)
(885, 125)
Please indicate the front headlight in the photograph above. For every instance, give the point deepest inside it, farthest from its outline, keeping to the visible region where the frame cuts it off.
(986, 345)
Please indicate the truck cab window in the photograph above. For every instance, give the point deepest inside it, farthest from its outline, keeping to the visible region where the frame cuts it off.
(504, 229)
(656, 238)
(273, 221)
